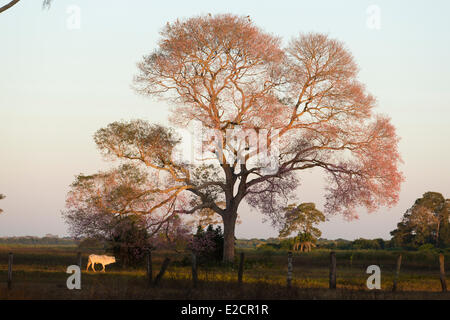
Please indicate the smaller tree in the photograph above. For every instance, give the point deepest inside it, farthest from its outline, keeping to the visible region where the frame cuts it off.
(115, 207)
(130, 239)
(426, 222)
(302, 219)
(367, 244)
(207, 244)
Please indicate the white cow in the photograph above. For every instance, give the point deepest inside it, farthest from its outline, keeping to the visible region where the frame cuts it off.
(103, 260)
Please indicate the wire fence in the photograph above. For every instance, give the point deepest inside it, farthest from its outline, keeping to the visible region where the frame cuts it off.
(317, 269)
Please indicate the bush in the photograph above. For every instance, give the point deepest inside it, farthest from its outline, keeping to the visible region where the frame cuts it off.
(91, 244)
(208, 245)
(368, 244)
(269, 247)
(129, 241)
(427, 247)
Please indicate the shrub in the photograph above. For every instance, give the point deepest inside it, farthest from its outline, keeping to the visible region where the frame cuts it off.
(91, 243)
(130, 241)
(427, 247)
(208, 245)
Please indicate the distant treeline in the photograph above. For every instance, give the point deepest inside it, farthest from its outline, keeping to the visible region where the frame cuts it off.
(274, 243)
(338, 244)
(269, 244)
(47, 240)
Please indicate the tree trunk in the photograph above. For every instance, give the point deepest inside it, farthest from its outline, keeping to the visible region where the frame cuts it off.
(229, 223)
(437, 232)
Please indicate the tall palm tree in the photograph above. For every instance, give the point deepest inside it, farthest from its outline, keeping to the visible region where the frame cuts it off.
(305, 241)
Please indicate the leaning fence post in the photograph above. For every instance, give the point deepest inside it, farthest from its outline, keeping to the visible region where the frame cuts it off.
(194, 270)
(149, 267)
(10, 264)
(241, 268)
(79, 259)
(442, 273)
(164, 266)
(397, 273)
(332, 270)
(289, 270)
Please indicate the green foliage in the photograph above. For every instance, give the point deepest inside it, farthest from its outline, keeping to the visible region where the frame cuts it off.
(338, 244)
(208, 244)
(361, 243)
(129, 240)
(38, 270)
(91, 243)
(29, 240)
(302, 218)
(426, 222)
(253, 243)
(286, 244)
(305, 236)
(269, 247)
(137, 139)
(427, 247)
(334, 244)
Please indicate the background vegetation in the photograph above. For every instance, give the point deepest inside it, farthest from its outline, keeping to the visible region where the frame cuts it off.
(39, 272)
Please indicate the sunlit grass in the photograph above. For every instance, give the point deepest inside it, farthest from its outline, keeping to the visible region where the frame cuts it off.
(40, 272)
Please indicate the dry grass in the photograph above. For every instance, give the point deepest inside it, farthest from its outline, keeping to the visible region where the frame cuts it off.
(39, 273)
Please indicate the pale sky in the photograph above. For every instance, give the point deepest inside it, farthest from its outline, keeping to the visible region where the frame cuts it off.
(58, 85)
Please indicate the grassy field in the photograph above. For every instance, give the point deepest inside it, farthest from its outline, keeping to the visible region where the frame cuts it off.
(39, 272)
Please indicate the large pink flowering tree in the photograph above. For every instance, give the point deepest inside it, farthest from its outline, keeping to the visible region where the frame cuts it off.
(273, 112)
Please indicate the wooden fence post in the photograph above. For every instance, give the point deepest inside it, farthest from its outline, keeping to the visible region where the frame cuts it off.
(289, 270)
(10, 265)
(194, 270)
(164, 266)
(442, 273)
(397, 273)
(241, 268)
(79, 259)
(149, 267)
(332, 270)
